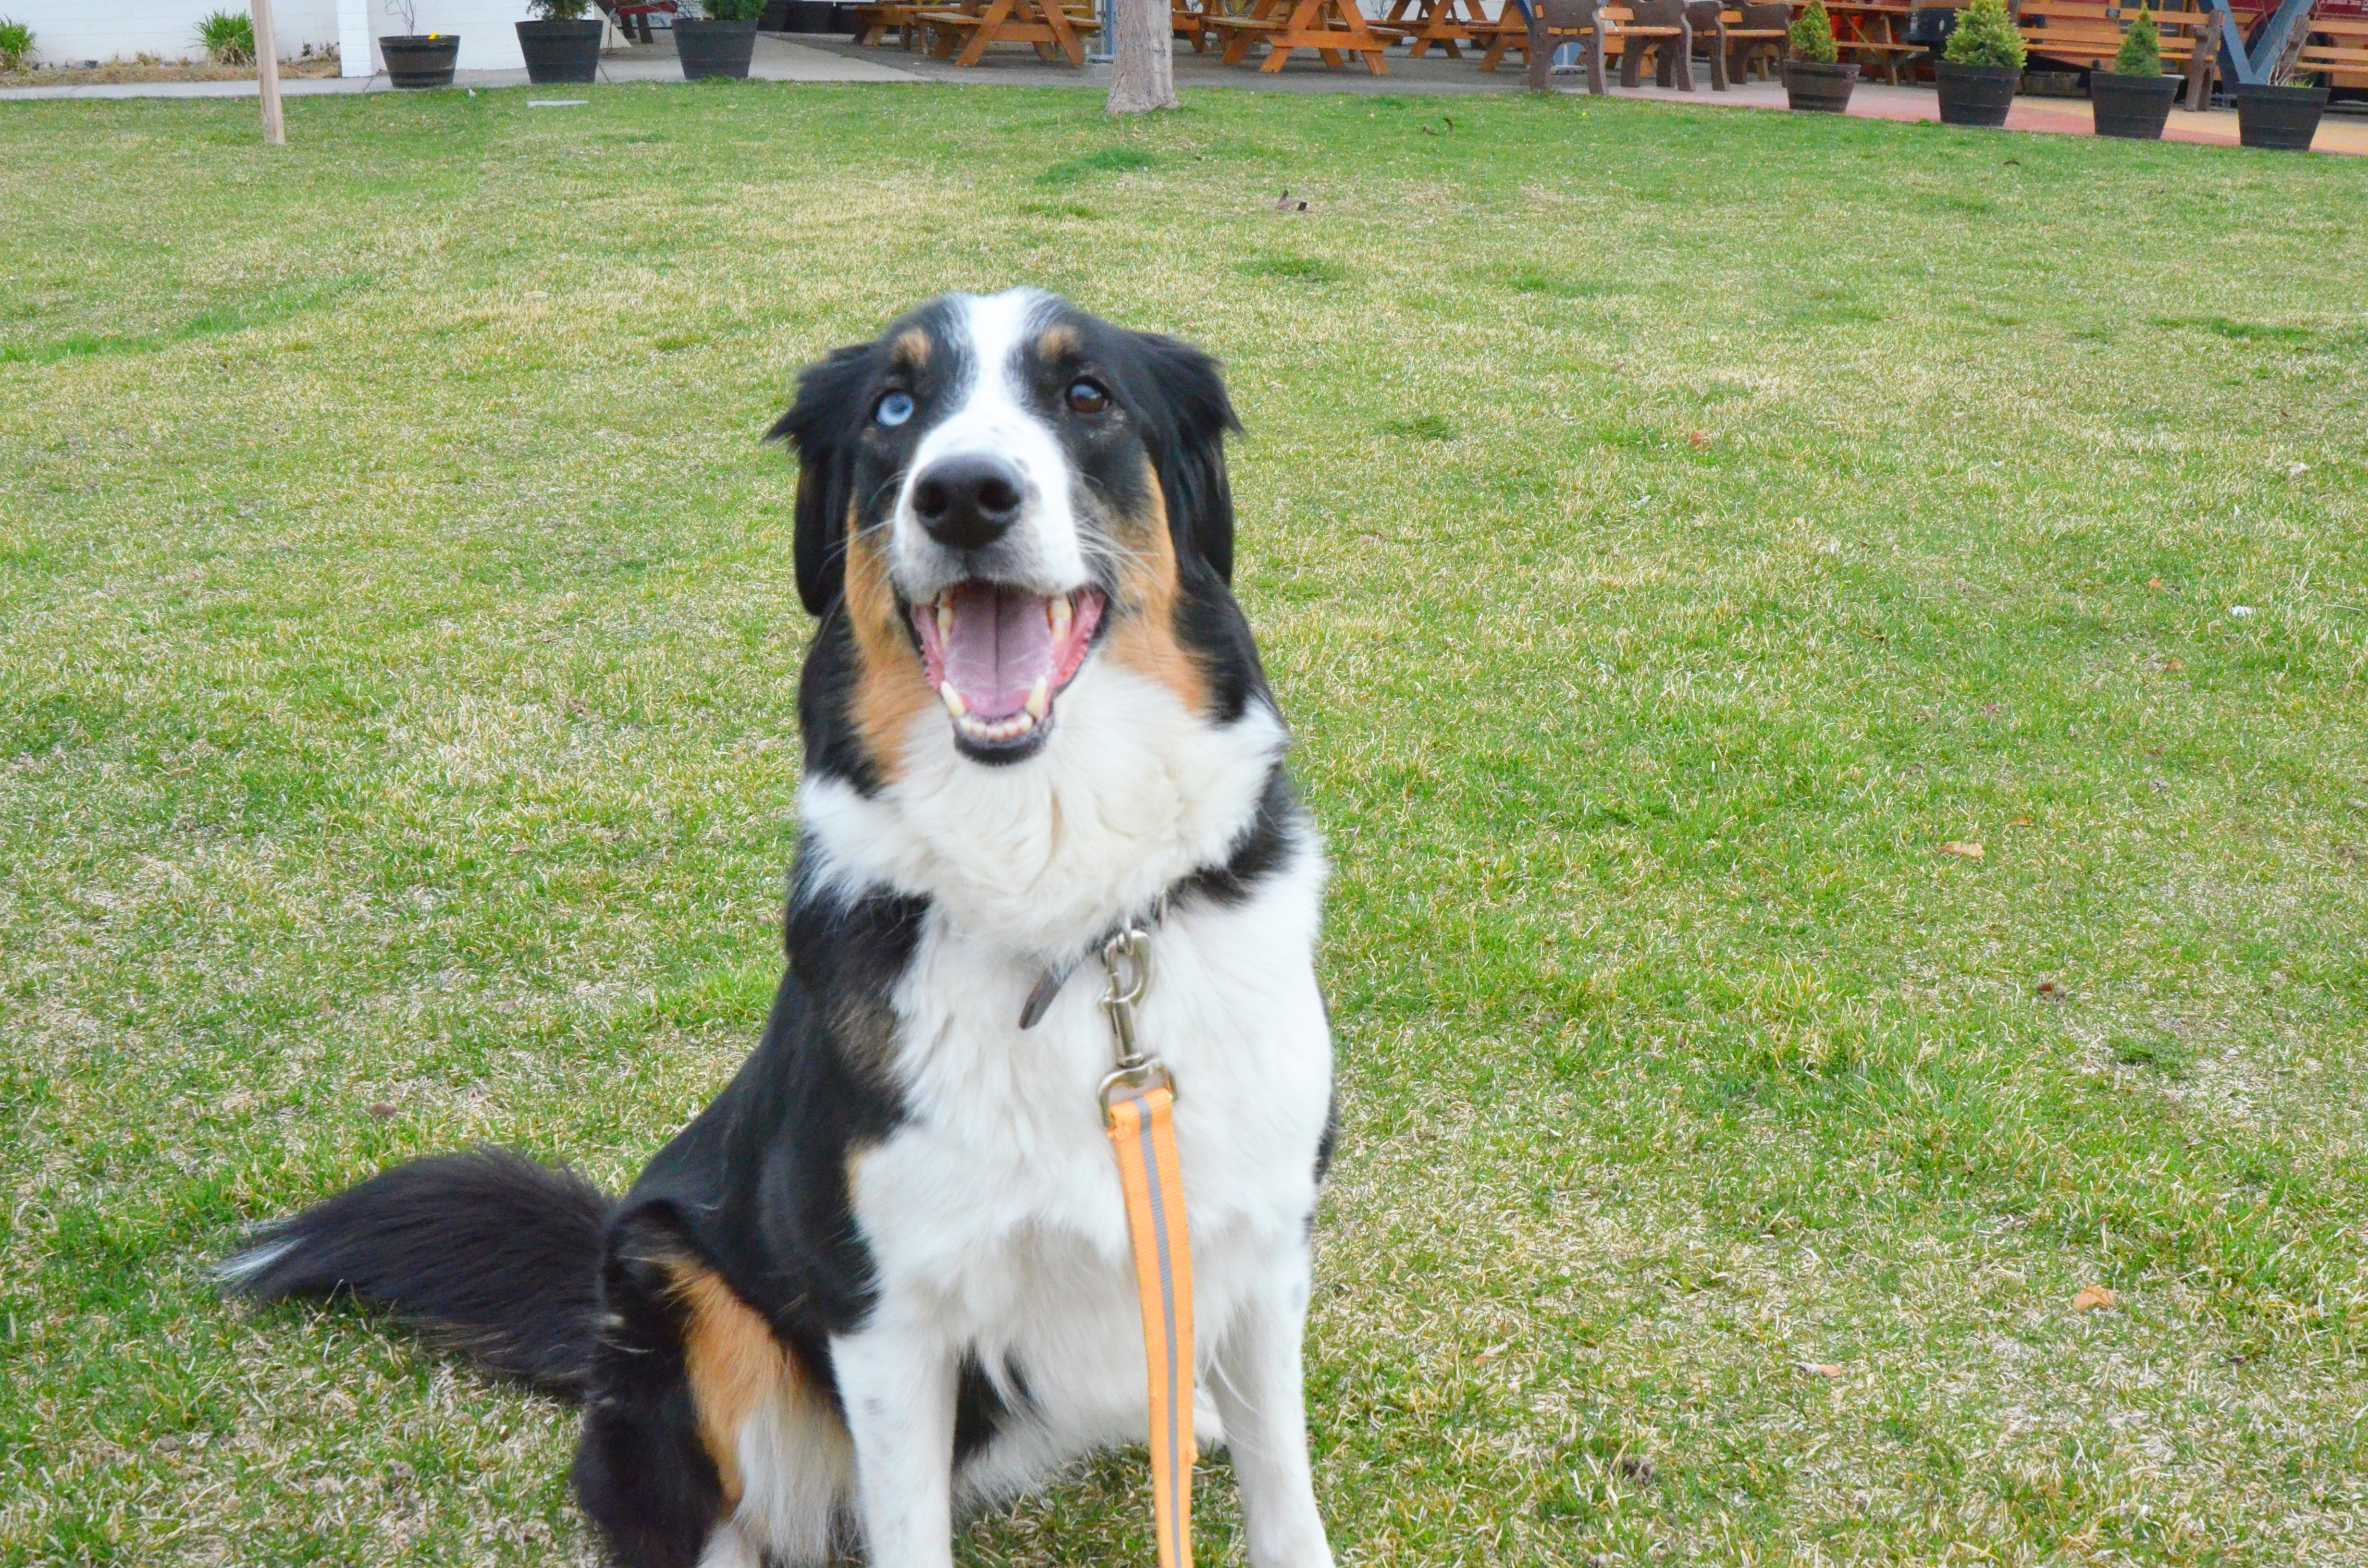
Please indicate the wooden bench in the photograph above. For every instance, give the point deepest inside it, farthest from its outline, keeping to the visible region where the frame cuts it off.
(2338, 47)
(1869, 34)
(1762, 31)
(877, 21)
(2086, 32)
(1441, 22)
(1042, 23)
(1189, 20)
(1731, 37)
(1333, 28)
(1657, 28)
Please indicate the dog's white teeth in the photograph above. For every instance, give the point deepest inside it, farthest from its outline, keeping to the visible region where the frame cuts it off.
(1039, 699)
(1056, 610)
(1009, 729)
(945, 621)
(954, 703)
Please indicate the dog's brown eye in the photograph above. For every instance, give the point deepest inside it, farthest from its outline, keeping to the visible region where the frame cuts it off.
(1087, 397)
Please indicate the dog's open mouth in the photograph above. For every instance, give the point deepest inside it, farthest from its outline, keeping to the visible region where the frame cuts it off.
(999, 656)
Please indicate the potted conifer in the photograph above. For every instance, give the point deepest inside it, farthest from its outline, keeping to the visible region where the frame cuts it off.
(2278, 115)
(1981, 67)
(720, 40)
(559, 44)
(1814, 80)
(2132, 99)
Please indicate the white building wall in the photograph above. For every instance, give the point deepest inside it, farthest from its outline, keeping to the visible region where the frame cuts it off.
(71, 31)
(488, 30)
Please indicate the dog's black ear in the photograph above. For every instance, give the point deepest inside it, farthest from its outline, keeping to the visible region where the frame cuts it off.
(821, 424)
(1185, 415)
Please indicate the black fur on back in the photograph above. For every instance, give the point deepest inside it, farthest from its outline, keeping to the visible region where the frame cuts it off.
(488, 1250)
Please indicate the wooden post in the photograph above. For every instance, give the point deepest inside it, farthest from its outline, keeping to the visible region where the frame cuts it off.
(1540, 52)
(267, 74)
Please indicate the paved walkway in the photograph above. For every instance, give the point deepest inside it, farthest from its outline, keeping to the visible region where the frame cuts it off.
(828, 57)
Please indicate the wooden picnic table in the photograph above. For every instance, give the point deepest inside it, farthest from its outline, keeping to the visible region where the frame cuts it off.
(1333, 28)
(2336, 45)
(1875, 27)
(1042, 23)
(1441, 22)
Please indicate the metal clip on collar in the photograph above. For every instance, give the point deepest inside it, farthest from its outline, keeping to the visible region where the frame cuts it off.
(1126, 961)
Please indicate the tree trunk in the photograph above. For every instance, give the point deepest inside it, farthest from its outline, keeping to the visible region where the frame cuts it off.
(1143, 64)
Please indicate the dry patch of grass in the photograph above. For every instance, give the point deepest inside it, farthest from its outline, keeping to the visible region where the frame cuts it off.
(146, 68)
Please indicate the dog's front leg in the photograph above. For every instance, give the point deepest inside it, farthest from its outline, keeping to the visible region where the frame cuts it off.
(1259, 1396)
(898, 1388)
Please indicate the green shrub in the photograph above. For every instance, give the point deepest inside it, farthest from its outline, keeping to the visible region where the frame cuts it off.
(1986, 36)
(559, 10)
(2141, 51)
(15, 43)
(731, 10)
(1812, 35)
(229, 38)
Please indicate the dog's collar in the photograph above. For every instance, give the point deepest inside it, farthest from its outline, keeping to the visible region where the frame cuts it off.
(1049, 983)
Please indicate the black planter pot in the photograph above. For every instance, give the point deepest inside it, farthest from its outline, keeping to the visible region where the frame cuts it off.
(2133, 107)
(560, 52)
(714, 49)
(420, 60)
(2282, 118)
(1976, 94)
(1815, 87)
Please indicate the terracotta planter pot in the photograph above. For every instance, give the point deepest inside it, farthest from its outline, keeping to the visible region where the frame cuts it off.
(420, 60)
(2280, 118)
(714, 49)
(1976, 94)
(2133, 107)
(560, 52)
(1815, 87)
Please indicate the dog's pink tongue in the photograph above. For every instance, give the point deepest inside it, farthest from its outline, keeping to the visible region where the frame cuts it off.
(1000, 646)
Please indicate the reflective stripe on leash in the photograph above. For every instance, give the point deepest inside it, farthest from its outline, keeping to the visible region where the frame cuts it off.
(1143, 1130)
(1138, 1105)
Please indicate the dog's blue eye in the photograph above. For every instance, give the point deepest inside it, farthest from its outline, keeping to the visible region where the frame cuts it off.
(895, 409)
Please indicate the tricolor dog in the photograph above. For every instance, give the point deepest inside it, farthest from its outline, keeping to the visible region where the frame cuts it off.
(886, 1274)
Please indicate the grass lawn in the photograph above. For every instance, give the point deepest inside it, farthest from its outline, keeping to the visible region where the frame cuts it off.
(1668, 528)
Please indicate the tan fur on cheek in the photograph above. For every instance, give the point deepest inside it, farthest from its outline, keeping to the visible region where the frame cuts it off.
(891, 690)
(734, 1364)
(1145, 638)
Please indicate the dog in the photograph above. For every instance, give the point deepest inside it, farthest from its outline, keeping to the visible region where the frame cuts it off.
(885, 1276)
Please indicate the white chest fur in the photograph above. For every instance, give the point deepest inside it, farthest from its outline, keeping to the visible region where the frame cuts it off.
(992, 1214)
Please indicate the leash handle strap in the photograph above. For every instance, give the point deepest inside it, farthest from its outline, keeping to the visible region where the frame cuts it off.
(1143, 1131)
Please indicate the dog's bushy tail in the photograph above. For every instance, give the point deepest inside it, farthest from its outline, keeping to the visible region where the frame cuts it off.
(487, 1250)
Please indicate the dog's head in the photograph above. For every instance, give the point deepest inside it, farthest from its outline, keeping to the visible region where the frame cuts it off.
(997, 492)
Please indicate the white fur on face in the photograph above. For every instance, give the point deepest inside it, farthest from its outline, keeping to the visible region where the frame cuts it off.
(991, 417)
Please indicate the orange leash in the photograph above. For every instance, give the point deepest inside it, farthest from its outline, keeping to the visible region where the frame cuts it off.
(1138, 1102)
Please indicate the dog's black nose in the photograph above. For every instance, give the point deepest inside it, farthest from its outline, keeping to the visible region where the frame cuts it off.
(968, 502)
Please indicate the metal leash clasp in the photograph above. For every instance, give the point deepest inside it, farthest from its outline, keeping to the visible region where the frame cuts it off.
(1126, 964)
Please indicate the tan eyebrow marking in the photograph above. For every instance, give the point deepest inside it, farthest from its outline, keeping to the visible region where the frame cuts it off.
(911, 349)
(1060, 342)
